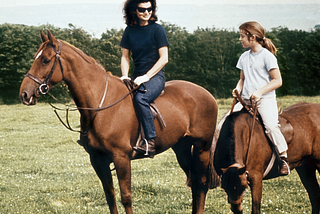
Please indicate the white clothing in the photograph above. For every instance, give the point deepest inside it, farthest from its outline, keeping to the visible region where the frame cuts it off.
(256, 69)
(268, 110)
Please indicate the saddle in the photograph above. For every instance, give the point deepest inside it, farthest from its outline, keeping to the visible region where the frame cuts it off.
(286, 128)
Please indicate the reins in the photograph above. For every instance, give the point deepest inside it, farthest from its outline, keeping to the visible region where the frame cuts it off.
(251, 110)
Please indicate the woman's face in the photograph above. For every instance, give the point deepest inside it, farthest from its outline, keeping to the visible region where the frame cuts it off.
(144, 12)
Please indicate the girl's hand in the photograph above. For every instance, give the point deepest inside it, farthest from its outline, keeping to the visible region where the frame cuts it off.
(255, 96)
(234, 92)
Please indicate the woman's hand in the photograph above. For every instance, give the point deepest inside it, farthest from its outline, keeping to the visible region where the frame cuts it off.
(125, 78)
(141, 79)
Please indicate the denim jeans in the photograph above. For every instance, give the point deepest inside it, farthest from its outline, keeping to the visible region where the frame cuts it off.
(146, 94)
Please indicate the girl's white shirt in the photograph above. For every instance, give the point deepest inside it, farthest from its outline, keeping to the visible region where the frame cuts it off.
(256, 69)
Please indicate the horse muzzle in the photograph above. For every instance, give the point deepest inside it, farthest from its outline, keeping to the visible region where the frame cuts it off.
(27, 98)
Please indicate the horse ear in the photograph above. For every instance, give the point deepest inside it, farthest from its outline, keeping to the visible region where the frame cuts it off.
(52, 40)
(224, 170)
(241, 170)
(43, 36)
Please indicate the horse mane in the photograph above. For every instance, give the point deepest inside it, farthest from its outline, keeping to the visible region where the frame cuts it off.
(87, 58)
(227, 135)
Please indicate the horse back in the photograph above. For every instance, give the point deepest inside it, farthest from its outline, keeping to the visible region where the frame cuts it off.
(305, 121)
(189, 109)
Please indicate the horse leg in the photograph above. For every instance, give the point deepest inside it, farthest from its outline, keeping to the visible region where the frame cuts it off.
(256, 193)
(194, 163)
(307, 174)
(182, 150)
(199, 172)
(101, 166)
(123, 167)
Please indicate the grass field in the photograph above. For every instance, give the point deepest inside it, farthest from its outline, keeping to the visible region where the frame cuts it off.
(44, 170)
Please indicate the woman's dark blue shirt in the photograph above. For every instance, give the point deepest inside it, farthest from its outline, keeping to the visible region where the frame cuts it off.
(144, 43)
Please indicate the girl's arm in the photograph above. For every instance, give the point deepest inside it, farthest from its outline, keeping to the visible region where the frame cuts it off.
(162, 61)
(276, 82)
(125, 63)
(239, 85)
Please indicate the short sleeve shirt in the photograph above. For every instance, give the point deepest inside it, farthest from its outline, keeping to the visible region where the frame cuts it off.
(144, 43)
(256, 69)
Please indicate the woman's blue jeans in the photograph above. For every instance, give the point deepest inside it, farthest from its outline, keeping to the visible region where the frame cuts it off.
(146, 94)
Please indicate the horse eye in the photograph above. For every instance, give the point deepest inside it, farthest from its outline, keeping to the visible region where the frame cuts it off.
(45, 61)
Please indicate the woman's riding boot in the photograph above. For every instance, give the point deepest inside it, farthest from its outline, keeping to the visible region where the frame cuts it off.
(147, 147)
(151, 148)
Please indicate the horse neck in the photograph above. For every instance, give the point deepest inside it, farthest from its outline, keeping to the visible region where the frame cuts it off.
(87, 80)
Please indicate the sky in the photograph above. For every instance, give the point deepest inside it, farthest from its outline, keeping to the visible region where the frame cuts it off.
(4, 3)
(96, 16)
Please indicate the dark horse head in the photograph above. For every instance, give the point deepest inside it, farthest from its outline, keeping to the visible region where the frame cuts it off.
(229, 162)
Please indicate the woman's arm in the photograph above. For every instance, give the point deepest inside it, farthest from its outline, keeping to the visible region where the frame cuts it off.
(162, 61)
(276, 82)
(125, 62)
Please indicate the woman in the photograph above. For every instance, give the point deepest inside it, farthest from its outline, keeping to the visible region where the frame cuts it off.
(147, 41)
(259, 78)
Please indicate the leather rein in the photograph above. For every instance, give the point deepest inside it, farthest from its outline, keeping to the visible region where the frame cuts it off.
(252, 110)
(44, 89)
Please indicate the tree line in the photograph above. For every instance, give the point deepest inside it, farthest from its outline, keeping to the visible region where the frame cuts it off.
(206, 57)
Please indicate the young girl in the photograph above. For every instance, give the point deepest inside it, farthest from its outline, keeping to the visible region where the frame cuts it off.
(259, 78)
(148, 43)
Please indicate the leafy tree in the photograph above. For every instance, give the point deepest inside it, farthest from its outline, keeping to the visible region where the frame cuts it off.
(206, 57)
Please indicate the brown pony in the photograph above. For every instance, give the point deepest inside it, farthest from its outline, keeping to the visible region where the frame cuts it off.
(242, 162)
(189, 111)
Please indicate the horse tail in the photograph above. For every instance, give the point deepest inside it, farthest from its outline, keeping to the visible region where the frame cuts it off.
(214, 180)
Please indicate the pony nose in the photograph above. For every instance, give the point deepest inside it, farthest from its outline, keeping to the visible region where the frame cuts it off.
(25, 98)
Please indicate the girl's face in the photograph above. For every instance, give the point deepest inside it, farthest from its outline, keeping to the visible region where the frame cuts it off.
(245, 40)
(144, 12)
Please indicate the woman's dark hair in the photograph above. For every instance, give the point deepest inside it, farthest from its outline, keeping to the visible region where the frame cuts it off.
(130, 14)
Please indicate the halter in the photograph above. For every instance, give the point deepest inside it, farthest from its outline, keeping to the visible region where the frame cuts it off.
(44, 87)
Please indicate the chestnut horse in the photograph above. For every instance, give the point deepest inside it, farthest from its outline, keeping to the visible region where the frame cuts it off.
(242, 162)
(189, 111)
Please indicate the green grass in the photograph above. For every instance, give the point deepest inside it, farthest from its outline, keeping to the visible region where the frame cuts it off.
(44, 170)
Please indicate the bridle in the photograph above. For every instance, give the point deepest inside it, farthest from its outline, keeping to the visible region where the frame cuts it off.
(44, 87)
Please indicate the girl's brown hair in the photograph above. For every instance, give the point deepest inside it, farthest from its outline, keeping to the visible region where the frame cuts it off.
(255, 29)
(130, 14)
